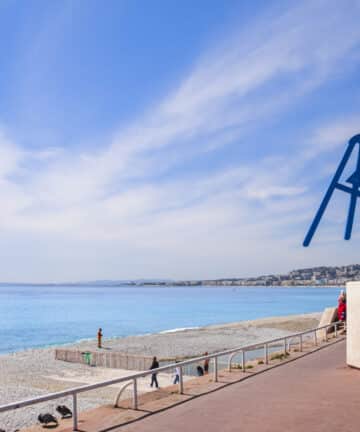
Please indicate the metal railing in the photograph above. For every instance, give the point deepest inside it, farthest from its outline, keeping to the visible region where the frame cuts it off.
(73, 392)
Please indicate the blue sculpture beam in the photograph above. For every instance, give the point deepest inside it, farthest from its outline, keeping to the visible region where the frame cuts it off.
(353, 191)
(345, 188)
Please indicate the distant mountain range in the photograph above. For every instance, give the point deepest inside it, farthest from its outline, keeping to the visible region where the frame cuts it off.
(105, 282)
(320, 276)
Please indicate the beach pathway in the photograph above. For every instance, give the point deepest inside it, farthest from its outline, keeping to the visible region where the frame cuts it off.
(315, 393)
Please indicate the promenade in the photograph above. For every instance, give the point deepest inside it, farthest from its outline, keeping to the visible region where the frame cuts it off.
(315, 393)
(311, 391)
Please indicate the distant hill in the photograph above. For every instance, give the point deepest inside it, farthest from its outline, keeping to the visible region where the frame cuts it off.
(319, 276)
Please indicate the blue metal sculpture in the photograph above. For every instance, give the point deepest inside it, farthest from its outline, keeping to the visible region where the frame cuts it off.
(353, 190)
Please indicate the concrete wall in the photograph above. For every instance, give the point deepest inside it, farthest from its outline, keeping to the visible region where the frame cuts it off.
(114, 360)
(353, 324)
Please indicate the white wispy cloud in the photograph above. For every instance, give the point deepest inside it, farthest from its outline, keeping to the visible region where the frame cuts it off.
(333, 134)
(10, 156)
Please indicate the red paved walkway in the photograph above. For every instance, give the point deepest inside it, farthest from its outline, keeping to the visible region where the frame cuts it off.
(315, 393)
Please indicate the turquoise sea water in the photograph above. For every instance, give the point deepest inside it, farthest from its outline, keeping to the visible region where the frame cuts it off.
(41, 316)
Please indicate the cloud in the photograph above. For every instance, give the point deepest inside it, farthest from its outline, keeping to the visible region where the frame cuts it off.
(45, 154)
(333, 134)
(10, 156)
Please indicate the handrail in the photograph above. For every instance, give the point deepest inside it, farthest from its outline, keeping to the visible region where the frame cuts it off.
(74, 391)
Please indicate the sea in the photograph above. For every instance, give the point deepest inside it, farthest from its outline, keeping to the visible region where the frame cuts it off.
(42, 316)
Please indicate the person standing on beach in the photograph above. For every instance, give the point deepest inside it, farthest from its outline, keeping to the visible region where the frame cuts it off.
(99, 337)
(154, 365)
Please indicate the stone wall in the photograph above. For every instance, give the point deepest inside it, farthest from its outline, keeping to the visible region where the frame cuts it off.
(353, 324)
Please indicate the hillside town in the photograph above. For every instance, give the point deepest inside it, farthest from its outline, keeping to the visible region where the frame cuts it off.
(319, 276)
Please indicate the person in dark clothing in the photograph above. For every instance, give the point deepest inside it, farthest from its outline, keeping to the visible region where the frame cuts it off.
(200, 371)
(206, 364)
(154, 365)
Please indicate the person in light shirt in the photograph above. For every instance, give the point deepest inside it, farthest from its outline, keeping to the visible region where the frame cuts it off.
(177, 374)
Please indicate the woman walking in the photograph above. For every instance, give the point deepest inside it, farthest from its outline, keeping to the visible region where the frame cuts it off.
(177, 374)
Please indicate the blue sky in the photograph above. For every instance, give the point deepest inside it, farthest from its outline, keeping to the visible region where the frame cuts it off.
(172, 139)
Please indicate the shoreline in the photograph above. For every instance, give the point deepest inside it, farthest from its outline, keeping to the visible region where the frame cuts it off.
(111, 339)
(178, 343)
(267, 322)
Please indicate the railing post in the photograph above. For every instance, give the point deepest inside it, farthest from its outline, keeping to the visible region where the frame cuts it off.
(315, 338)
(229, 362)
(301, 343)
(266, 353)
(181, 382)
(75, 413)
(135, 396)
(285, 346)
(335, 329)
(326, 334)
(243, 360)
(215, 369)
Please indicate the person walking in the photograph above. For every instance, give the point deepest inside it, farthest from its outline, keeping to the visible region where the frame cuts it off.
(177, 374)
(206, 364)
(154, 365)
(99, 337)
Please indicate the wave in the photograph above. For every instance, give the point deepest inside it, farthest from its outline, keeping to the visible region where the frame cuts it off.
(179, 329)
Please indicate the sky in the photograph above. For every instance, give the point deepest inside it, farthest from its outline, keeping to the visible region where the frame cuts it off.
(181, 140)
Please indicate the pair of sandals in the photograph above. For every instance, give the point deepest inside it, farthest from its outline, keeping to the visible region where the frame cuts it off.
(48, 419)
